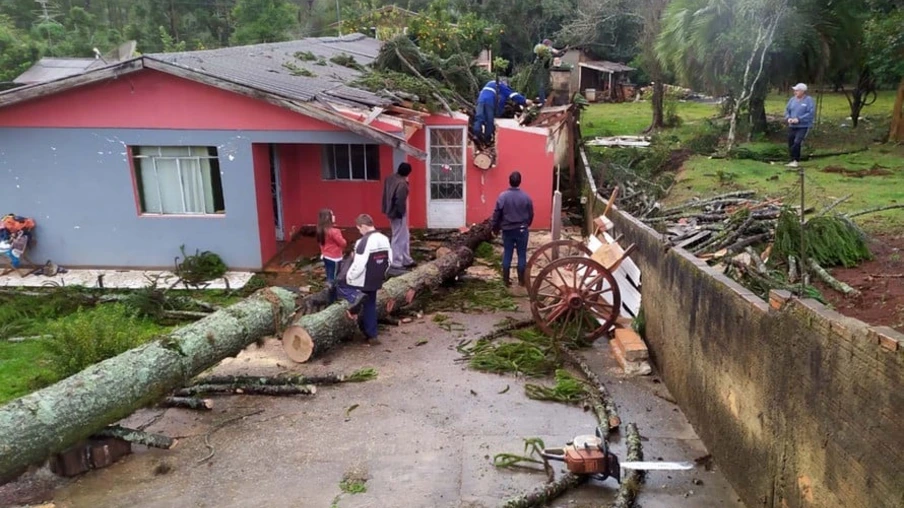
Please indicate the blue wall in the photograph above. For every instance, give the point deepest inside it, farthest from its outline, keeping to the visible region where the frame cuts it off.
(77, 185)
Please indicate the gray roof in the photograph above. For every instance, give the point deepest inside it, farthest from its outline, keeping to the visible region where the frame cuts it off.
(49, 69)
(270, 67)
(604, 66)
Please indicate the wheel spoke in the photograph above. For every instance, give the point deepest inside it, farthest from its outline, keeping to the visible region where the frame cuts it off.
(556, 314)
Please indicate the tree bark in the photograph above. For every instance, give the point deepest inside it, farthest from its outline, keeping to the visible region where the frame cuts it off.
(252, 389)
(630, 485)
(658, 99)
(896, 132)
(138, 437)
(547, 492)
(50, 420)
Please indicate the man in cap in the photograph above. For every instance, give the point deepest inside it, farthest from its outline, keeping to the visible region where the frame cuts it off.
(799, 115)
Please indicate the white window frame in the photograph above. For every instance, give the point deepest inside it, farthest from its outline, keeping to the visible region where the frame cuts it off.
(330, 174)
(464, 160)
(140, 189)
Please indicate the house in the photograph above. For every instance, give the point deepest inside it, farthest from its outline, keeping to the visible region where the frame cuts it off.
(233, 150)
(607, 80)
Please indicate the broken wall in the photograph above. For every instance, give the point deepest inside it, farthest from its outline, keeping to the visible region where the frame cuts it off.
(799, 405)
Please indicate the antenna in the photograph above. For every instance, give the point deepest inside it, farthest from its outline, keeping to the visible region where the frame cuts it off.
(97, 56)
(45, 15)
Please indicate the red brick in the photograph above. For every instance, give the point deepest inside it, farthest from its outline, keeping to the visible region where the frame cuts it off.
(631, 346)
(778, 298)
(888, 338)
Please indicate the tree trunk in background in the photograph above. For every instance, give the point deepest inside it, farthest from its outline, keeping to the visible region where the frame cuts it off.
(896, 133)
(50, 420)
(757, 109)
(658, 98)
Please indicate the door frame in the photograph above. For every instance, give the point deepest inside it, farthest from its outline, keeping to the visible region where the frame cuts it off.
(276, 188)
(464, 169)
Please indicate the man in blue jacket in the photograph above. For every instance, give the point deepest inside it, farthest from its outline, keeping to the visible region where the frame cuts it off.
(513, 216)
(490, 104)
(799, 115)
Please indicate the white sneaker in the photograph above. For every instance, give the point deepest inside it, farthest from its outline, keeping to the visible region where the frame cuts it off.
(792, 164)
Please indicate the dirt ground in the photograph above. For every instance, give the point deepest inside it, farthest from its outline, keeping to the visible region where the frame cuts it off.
(880, 281)
(423, 434)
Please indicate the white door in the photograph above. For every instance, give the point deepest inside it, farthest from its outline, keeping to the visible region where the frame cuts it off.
(446, 177)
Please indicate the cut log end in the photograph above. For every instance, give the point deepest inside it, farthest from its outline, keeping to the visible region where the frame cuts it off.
(298, 344)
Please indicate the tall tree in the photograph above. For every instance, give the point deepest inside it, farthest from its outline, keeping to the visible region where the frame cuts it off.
(17, 50)
(258, 21)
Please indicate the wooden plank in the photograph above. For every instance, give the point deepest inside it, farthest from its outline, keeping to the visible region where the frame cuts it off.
(22, 94)
(374, 114)
(303, 108)
(407, 111)
(694, 239)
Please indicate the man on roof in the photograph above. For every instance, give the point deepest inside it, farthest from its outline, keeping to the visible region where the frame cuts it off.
(490, 104)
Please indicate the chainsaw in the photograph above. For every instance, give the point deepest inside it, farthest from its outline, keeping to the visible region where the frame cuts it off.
(590, 455)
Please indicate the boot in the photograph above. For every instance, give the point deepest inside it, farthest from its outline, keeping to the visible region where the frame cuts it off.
(521, 277)
(506, 277)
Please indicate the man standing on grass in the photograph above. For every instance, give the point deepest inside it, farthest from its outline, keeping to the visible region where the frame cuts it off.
(799, 115)
(361, 276)
(395, 206)
(513, 216)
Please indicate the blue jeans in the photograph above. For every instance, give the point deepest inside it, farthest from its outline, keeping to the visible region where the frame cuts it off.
(484, 121)
(796, 136)
(511, 240)
(332, 268)
(367, 319)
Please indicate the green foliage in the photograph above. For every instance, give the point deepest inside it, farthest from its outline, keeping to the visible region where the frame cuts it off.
(533, 447)
(169, 44)
(765, 153)
(704, 140)
(258, 21)
(831, 240)
(670, 113)
(474, 295)
(22, 368)
(305, 56)
(884, 42)
(17, 51)
(568, 389)
(439, 32)
(531, 354)
(87, 337)
(257, 281)
(298, 71)
(347, 61)
(353, 486)
(25, 315)
(484, 251)
(200, 267)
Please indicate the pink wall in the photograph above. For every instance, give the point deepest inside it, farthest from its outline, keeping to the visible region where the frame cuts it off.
(305, 192)
(260, 153)
(517, 150)
(154, 100)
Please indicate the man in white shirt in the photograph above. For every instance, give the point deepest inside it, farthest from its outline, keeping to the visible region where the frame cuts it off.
(362, 276)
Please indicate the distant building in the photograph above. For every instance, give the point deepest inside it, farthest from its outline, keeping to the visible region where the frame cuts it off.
(50, 69)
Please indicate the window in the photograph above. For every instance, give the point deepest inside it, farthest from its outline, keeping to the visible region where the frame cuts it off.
(351, 162)
(179, 180)
(447, 166)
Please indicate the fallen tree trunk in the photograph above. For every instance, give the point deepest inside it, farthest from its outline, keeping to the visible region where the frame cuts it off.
(138, 437)
(834, 283)
(50, 420)
(630, 484)
(313, 334)
(326, 379)
(546, 493)
(603, 406)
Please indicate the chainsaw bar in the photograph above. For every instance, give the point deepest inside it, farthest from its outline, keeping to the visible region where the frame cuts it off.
(657, 466)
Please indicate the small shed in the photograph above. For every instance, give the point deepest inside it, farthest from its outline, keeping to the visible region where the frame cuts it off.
(607, 80)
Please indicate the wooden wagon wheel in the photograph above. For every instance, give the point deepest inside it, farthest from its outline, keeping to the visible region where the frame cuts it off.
(549, 252)
(569, 295)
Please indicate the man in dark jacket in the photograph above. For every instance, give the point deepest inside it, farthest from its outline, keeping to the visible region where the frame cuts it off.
(395, 206)
(513, 216)
(362, 275)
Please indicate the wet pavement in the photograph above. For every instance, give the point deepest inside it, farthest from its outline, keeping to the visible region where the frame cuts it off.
(423, 434)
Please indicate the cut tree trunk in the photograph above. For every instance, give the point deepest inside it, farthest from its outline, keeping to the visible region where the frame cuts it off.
(896, 132)
(50, 420)
(138, 437)
(542, 495)
(313, 334)
(191, 391)
(630, 485)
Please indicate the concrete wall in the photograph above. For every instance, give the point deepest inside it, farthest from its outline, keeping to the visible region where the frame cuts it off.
(77, 184)
(799, 405)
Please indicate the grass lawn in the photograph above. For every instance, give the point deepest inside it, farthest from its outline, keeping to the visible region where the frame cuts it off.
(631, 118)
(702, 176)
(29, 365)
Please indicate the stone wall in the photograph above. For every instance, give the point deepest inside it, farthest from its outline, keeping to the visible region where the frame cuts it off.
(799, 405)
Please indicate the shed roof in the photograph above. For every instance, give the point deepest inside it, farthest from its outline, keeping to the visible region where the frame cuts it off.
(605, 66)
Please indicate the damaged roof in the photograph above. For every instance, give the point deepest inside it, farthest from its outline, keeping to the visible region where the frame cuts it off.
(49, 69)
(286, 68)
(605, 66)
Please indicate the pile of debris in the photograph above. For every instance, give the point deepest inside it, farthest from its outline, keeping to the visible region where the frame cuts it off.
(758, 241)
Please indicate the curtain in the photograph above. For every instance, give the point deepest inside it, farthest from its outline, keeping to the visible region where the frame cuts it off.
(176, 180)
